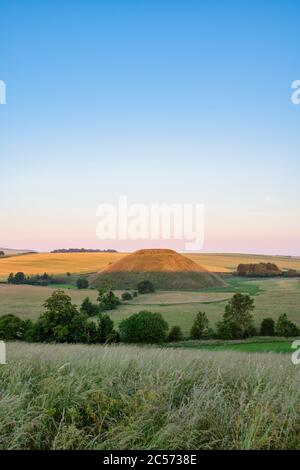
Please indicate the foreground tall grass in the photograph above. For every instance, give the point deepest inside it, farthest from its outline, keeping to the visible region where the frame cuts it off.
(93, 397)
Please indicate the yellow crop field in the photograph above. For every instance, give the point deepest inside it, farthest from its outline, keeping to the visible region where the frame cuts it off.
(57, 263)
(229, 262)
(60, 263)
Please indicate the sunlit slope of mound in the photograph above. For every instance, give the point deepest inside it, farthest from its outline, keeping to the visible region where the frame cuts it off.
(166, 269)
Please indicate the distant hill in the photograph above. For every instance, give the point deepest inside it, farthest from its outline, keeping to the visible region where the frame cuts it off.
(13, 251)
(82, 250)
(166, 269)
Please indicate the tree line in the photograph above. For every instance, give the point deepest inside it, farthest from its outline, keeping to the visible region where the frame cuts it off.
(63, 322)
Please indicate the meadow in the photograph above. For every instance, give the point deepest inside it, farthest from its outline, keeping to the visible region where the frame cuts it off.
(121, 397)
(255, 344)
(272, 297)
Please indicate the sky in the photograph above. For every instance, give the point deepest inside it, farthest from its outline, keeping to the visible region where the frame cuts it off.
(162, 101)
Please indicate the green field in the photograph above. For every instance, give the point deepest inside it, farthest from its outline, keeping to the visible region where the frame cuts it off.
(272, 297)
(121, 397)
(253, 345)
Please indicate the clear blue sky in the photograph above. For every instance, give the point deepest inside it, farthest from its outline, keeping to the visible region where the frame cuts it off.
(163, 101)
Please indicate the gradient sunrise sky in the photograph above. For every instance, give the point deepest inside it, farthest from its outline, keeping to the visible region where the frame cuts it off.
(163, 101)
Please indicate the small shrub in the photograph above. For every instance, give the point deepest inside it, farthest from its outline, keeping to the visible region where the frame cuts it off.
(144, 327)
(107, 300)
(82, 283)
(145, 287)
(126, 296)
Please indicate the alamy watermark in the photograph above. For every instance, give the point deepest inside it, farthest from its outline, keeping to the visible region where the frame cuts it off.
(124, 221)
(296, 354)
(2, 352)
(2, 92)
(296, 93)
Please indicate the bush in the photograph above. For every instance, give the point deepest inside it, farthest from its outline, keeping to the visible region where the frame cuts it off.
(82, 283)
(267, 327)
(284, 327)
(107, 300)
(126, 296)
(200, 326)
(88, 308)
(12, 328)
(228, 329)
(145, 287)
(144, 327)
(135, 294)
(175, 334)
(105, 328)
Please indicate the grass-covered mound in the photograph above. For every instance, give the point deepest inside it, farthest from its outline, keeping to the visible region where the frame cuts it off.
(121, 397)
(166, 269)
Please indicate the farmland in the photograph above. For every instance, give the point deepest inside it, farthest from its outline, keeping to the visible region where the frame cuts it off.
(272, 297)
(57, 263)
(120, 397)
(60, 263)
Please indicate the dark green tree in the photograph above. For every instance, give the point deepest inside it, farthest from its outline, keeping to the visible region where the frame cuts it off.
(144, 327)
(267, 327)
(145, 287)
(200, 326)
(284, 327)
(107, 299)
(126, 296)
(61, 322)
(18, 278)
(175, 334)
(239, 309)
(105, 327)
(237, 320)
(82, 283)
(12, 328)
(88, 308)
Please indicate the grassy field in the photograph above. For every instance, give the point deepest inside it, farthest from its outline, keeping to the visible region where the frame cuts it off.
(253, 345)
(26, 301)
(272, 297)
(97, 397)
(60, 263)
